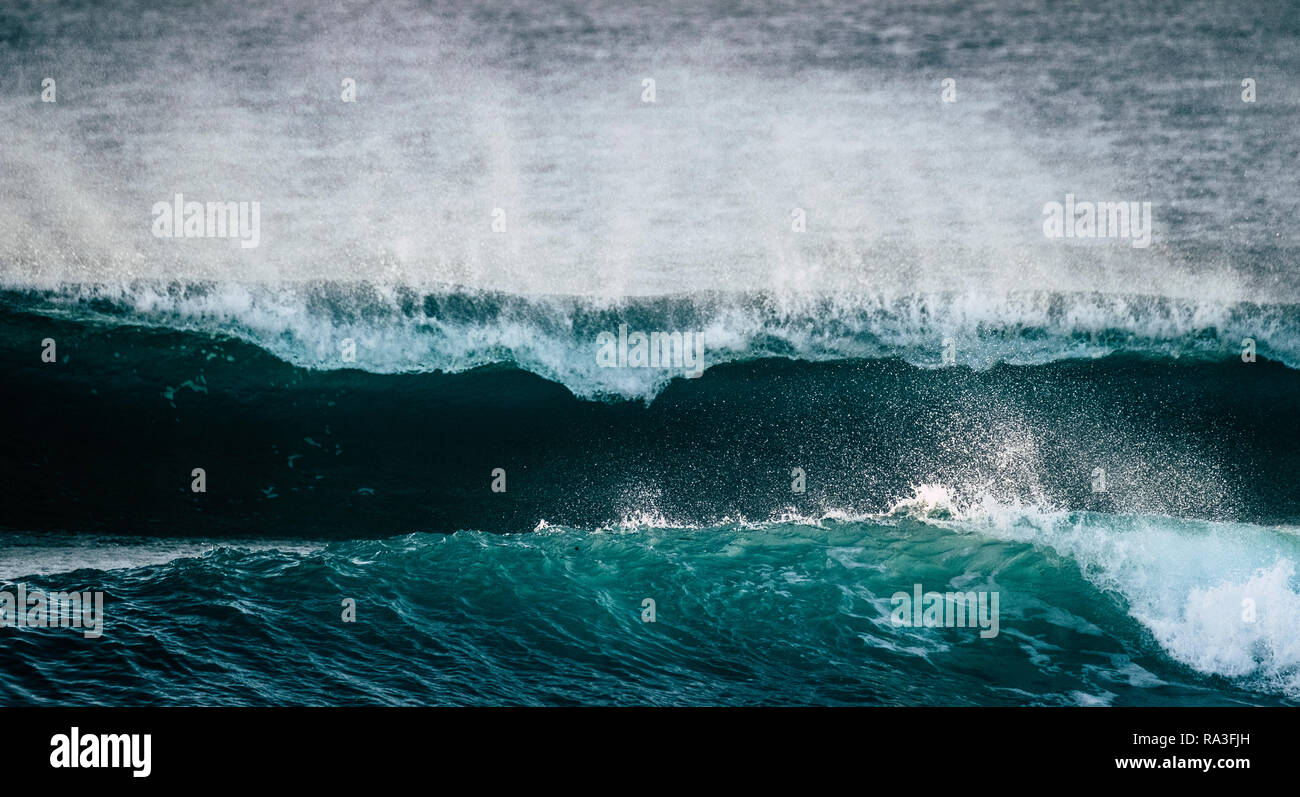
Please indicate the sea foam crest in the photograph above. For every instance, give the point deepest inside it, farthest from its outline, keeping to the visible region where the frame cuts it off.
(1222, 598)
(399, 329)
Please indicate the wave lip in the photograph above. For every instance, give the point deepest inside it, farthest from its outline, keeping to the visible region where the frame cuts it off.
(400, 329)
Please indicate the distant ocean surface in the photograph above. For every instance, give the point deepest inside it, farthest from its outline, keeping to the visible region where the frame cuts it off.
(921, 389)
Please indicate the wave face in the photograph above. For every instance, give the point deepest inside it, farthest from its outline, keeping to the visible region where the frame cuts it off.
(106, 438)
(1093, 610)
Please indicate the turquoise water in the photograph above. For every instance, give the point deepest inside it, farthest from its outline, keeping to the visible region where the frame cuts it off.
(1093, 610)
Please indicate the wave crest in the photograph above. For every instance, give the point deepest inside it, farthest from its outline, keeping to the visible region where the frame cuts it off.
(399, 329)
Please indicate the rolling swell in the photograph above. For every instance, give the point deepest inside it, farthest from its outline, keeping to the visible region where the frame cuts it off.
(769, 614)
(105, 439)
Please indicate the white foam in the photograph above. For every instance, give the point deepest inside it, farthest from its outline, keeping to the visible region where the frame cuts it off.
(307, 324)
(52, 554)
(1187, 582)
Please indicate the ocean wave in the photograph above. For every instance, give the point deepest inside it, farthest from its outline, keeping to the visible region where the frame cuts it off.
(128, 412)
(1221, 598)
(400, 329)
(1095, 608)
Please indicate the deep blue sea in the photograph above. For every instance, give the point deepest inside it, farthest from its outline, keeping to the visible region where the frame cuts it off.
(383, 456)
